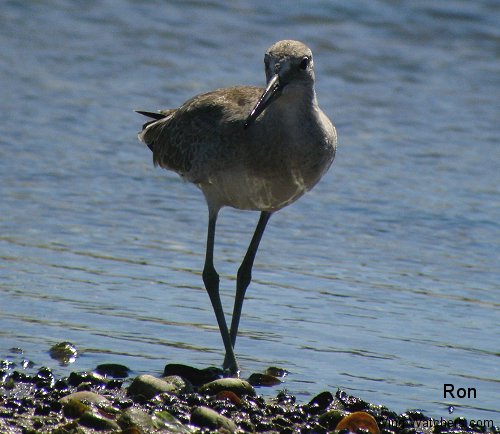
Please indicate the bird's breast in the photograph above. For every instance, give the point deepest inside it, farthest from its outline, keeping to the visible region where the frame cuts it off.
(244, 190)
(269, 181)
(272, 163)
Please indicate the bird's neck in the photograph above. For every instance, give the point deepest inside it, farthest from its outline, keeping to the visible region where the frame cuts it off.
(299, 95)
(294, 106)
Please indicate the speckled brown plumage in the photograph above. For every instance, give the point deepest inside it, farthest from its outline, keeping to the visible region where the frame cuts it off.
(184, 137)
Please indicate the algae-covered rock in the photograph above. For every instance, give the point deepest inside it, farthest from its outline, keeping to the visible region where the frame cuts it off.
(98, 422)
(76, 404)
(205, 417)
(235, 385)
(195, 376)
(135, 417)
(183, 386)
(149, 386)
(164, 421)
(331, 418)
(143, 422)
(257, 379)
(64, 352)
(85, 396)
(88, 378)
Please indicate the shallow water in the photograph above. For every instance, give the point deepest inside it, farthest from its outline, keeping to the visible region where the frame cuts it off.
(383, 280)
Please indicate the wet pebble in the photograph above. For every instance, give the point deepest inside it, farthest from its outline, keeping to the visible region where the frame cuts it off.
(229, 396)
(113, 370)
(331, 418)
(6, 364)
(357, 422)
(148, 386)
(320, 403)
(64, 352)
(89, 378)
(205, 417)
(226, 405)
(85, 397)
(136, 417)
(43, 379)
(166, 422)
(236, 385)
(20, 377)
(98, 422)
(195, 376)
(257, 379)
(285, 398)
(276, 372)
(351, 403)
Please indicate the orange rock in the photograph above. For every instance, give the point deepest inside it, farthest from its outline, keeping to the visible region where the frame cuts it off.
(358, 420)
(230, 396)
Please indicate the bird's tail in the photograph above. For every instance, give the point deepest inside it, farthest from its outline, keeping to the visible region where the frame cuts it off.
(156, 116)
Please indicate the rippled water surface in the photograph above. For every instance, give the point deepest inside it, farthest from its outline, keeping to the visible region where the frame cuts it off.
(383, 280)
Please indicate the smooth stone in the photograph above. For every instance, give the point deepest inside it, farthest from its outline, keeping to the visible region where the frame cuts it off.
(205, 417)
(357, 421)
(113, 370)
(145, 423)
(93, 378)
(320, 402)
(165, 422)
(229, 396)
(235, 385)
(257, 379)
(135, 417)
(331, 418)
(85, 397)
(64, 352)
(76, 404)
(74, 408)
(276, 372)
(183, 385)
(351, 403)
(90, 419)
(195, 376)
(149, 386)
(86, 386)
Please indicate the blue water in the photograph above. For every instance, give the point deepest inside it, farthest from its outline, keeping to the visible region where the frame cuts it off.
(383, 281)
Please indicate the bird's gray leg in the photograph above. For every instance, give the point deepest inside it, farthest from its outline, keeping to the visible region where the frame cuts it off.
(245, 273)
(211, 281)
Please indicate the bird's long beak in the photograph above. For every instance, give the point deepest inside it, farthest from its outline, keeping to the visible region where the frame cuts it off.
(272, 90)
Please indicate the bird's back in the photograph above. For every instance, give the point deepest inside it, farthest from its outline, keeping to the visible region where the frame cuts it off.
(200, 137)
(263, 167)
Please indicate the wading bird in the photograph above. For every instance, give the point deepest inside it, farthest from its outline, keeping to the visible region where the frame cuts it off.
(250, 148)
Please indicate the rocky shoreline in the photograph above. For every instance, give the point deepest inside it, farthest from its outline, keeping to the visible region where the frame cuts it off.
(189, 400)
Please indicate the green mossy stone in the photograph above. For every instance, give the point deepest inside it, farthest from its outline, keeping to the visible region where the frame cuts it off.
(182, 385)
(149, 386)
(95, 421)
(75, 404)
(331, 418)
(235, 385)
(135, 417)
(85, 397)
(205, 417)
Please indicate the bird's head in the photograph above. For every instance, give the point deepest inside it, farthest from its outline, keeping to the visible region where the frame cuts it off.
(288, 63)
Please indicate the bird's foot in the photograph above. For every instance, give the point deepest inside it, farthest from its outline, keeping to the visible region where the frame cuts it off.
(230, 367)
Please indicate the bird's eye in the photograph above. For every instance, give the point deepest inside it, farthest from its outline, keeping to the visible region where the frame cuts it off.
(304, 63)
